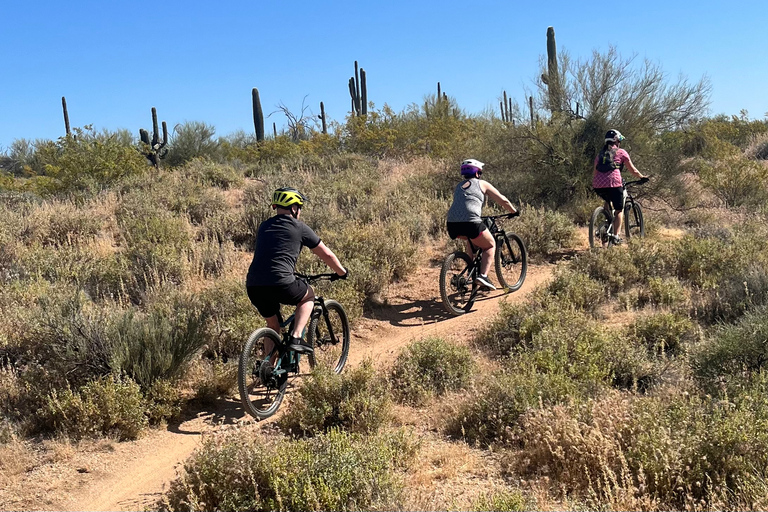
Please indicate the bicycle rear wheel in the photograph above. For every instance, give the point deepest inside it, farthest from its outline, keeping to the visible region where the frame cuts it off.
(262, 386)
(511, 261)
(634, 226)
(457, 283)
(600, 228)
(329, 336)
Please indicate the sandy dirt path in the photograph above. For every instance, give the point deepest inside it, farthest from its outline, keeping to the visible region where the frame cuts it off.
(133, 475)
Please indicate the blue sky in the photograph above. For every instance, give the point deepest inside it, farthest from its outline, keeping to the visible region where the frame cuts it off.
(198, 61)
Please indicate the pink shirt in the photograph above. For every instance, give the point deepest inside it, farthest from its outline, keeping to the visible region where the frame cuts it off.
(613, 178)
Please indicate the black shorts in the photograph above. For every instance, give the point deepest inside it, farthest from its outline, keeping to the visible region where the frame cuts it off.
(470, 230)
(612, 195)
(267, 299)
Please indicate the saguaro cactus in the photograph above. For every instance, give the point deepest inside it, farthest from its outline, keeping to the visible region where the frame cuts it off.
(552, 77)
(66, 114)
(258, 115)
(322, 117)
(156, 147)
(358, 91)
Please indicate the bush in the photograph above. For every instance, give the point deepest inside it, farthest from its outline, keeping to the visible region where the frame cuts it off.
(357, 401)
(732, 352)
(491, 414)
(663, 333)
(108, 406)
(544, 232)
(574, 289)
(190, 140)
(674, 451)
(506, 501)
(333, 471)
(85, 162)
(430, 367)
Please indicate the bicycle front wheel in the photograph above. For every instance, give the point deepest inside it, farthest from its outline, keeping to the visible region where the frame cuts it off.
(262, 385)
(600, 228)
(329, 336)
(634, 226)
(456, 283)
(511, 261)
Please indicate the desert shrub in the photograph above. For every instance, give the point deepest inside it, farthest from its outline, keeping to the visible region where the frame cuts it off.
(208, 172)
(231, 318)
(59, 223)
(162, 401)
(506, 501)
(757, 147)
(667, 292)
(490, 414)
(430, 367)
(616, 269)
(85, 162)
(736, 295)
(732, 352)
(544, 231)
(190, 140)
(357, 401)
(333, 471)
(676, 450)
(663, 333)
(79, 340)
(211, 379)
(735, 180)
(575, 289)
(156, 243)
(108, 406)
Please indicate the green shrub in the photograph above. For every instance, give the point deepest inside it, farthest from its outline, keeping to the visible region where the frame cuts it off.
(190, 140)
(357, 401)
(162, 401)
(616, 269)
(732, 352)
(491, 413)
(84, 162)
(108, 406)
(333, 471)
(231, 318)
(663, 333)
(430, 367)
(61, 223)
(574, 289)
(544, 231)
(207, 172)
(506, 501)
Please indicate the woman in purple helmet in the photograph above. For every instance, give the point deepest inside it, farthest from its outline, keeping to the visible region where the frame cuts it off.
(464, 216)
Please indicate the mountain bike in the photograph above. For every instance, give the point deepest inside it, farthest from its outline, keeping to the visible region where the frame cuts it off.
(264, 377)
(458, 288)
(601, 222)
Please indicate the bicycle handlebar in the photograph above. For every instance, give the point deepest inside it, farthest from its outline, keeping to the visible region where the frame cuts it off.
(641, 181)
(502, 216)
(316, 277)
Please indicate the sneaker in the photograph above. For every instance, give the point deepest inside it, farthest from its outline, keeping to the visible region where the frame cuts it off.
(484, 282)
(616, 240)
(299, 345)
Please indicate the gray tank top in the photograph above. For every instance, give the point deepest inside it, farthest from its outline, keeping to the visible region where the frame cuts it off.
(467, 202)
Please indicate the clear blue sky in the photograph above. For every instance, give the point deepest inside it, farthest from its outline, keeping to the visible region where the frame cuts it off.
(198, 61)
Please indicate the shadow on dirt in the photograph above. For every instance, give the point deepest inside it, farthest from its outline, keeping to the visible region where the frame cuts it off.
(420, 312)
(221, 411)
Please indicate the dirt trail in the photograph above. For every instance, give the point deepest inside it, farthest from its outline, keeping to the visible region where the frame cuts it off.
(132, 476)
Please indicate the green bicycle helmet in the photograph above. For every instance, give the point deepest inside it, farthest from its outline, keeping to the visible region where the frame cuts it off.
(285, 197)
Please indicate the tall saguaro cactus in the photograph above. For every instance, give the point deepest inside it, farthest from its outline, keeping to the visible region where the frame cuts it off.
(66, 114)
(552, 77)
(358, 91)
(258, 115)
(506, 109)
(156, 146)
(322, 118)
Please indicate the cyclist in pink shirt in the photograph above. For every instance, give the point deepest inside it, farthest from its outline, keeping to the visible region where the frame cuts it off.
(606, 176)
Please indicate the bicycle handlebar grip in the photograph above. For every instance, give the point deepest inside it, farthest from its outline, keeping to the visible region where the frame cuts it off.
(336, 277)
(644, 180)
(516, 214)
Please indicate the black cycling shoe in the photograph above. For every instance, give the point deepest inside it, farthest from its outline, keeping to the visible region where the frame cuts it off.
(299, 345)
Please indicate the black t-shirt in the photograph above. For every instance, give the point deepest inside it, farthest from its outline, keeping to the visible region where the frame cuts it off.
(278, 244)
